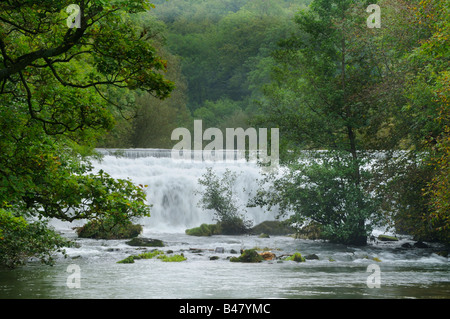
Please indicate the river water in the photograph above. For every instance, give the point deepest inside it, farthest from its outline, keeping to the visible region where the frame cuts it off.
(91, 269)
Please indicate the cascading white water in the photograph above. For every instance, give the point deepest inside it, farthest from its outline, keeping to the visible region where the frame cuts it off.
(172, 186)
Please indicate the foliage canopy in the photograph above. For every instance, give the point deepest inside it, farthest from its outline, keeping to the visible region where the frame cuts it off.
(57, 88)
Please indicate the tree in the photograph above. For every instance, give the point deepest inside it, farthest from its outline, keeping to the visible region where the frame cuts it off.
(217, 40)
(20, 240)
(149, 121)
(427, 107)
(318, 99)
(219, 195)
(55, 86)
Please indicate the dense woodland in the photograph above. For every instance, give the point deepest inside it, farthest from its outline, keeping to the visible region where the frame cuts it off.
(219, 55)
(132, 72)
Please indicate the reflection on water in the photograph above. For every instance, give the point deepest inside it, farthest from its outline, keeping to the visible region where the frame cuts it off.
(340, 272)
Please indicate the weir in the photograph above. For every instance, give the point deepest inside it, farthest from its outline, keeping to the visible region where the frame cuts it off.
(212, 155)
(173, 183)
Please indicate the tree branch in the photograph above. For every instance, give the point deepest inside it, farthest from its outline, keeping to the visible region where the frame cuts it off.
(70, 40)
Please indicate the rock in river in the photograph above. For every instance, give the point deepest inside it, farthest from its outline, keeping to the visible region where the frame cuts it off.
(146, 242)
(387, 238)
(267, 255)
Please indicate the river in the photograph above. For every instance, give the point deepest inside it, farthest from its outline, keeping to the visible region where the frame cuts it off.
(339, 271)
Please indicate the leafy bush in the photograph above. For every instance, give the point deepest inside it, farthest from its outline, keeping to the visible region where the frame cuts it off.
(219, 196)
(234, 226)
(107, 229)
(50, 123)
(21, 240)
(323, 188)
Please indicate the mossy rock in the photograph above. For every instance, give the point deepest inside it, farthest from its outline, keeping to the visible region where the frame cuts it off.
(312, 257)
(101, 230)
(248, 256)
(311, 231)
(420, 244)
(174, 258)
(151, 254)
(235, 226)
(128, 260)
(296, 257)
(272, 227)
(387, 238)
(145, 242)
(146, 255)
(204, 230)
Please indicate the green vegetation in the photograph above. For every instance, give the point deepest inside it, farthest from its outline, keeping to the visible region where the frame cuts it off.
(296, 257)
(273, 227)
(204, 230)
(149, 255)
(60, 91)
(145, 242)
(315, 70)
(108, 230)
(173, 258)
(341, 94)
(219, 196)
(267, 227)
(21, 239)
(152, 254)
(248, 256)
(128, 260)
(345, 91)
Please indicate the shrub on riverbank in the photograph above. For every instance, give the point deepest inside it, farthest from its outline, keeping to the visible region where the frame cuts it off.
(108, 230)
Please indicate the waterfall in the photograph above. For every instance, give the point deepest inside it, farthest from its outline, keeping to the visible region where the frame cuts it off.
(172, 185)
